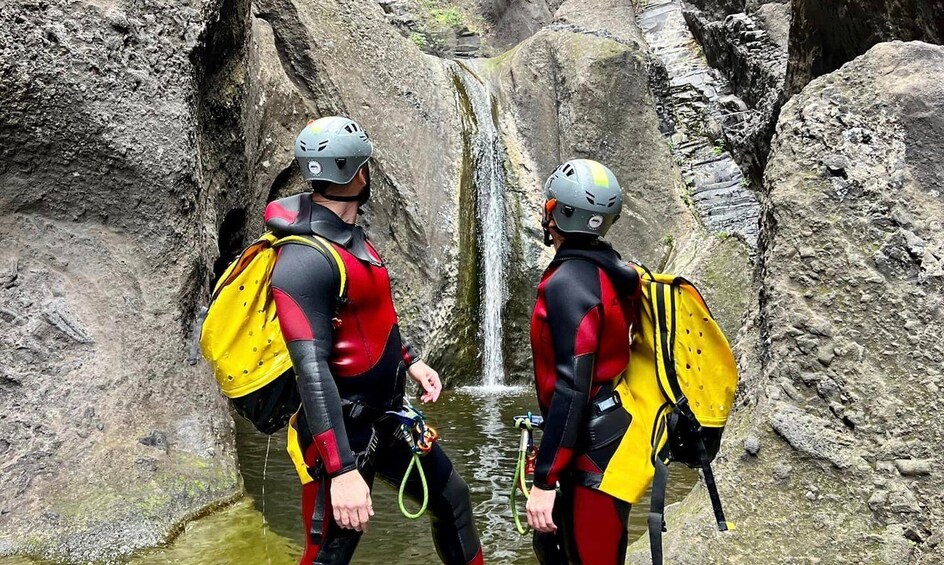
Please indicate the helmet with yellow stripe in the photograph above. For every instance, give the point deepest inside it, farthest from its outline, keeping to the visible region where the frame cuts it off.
(582, 197)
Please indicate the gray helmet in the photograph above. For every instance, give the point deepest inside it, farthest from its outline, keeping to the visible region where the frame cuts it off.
(588, 198)
(332, 149)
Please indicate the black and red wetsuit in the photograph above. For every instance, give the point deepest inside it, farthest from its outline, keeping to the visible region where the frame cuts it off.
(350, 364)
(586, 304)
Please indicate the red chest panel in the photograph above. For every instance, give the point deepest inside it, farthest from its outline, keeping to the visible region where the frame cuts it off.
(611, 323)
(365, 321)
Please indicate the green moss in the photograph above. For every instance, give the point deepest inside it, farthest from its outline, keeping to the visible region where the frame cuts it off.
(441, 15)
(727, 280)
(450, 17)
(419, 40)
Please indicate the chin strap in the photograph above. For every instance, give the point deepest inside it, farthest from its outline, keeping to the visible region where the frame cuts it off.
(361, 198)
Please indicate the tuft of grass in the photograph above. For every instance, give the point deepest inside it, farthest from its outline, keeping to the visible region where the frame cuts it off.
(449, 17)
(419, 40)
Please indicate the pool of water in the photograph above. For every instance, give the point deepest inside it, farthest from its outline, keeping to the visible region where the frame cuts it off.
(475, 432)
(265, 528)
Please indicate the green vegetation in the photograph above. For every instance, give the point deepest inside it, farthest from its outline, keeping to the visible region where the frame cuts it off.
(449, 17)
(718, 149)
(441, 15)
(419, 40)
(745, 182)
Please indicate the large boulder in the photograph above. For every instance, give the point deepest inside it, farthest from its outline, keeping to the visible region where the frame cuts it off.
(835, 440)
(109, 437)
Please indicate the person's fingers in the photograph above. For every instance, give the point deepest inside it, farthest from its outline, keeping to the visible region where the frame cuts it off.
(353, 519)
(342, 518)
(363, 517)
(549, 521)
(370, 505)
(535, 520)
(531, 521)
(428, 384)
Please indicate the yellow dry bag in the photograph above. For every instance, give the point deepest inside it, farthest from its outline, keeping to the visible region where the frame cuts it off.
(678, 388)
(241, 337)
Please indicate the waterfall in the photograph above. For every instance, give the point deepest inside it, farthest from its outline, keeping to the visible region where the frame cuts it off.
(488, 156)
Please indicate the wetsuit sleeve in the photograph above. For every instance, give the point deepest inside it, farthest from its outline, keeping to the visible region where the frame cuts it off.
(305, 286)
(573, 315)
(410, 353)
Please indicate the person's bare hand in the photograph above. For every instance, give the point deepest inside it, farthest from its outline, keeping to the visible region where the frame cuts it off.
(350, 501)
(540, 510)
(428, 379)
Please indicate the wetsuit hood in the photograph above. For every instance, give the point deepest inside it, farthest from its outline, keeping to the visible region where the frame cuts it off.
(298, 215)
(623, 276)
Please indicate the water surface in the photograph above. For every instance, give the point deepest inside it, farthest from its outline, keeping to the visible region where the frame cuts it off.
(474, 425)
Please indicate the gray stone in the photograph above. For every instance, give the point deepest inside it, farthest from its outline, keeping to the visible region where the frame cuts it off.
(879, 118)
(752, 445)
(156, 439)
(913, 467)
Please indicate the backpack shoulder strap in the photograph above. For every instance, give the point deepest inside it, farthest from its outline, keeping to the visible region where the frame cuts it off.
(662, 297)
(325, 248)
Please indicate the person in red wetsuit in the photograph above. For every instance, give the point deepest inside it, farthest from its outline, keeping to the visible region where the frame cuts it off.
(580, 338)
(350, 360)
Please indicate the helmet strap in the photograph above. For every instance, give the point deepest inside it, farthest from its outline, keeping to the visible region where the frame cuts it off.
(361, 197)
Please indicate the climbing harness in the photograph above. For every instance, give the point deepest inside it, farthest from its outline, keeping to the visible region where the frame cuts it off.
(420, 437)
(527, 455)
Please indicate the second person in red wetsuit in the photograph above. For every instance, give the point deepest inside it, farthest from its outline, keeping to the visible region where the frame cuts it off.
(350, 360)
(580, 339)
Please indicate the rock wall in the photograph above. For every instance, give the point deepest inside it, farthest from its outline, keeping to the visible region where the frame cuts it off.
(827, 33)
(747, 42)
(139, 144)
(109, 438)
(831, 441)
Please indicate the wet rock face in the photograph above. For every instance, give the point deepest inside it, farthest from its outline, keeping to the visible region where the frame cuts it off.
(853, 284)
(103, 245)
(747, 43)
(844, 353)
(557, 95)
(699, 113)
(825, 34)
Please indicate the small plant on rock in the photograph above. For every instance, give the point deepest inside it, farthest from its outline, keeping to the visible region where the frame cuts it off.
(419, 40)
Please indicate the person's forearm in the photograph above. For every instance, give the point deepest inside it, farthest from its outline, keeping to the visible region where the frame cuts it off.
(562, 424)
(322, 404)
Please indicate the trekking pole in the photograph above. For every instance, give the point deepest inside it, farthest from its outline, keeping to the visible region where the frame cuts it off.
(420, 438)
(527, 454)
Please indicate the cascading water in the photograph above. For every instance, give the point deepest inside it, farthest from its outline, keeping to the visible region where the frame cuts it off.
(488, 156)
